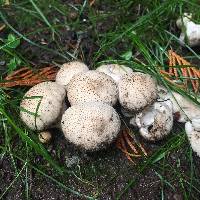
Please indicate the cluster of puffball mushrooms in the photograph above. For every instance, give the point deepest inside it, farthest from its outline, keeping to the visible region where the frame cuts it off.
(91, 122)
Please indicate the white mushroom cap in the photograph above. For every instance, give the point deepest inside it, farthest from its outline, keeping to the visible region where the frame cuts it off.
(91, 125)
(45, 137)
(136, 91)
(190, 31)
(68, 70)
(156, 121)
(185, 108)
(193, 136)
(115, 71)
(92, 86)
(43, 105)
(182, 21)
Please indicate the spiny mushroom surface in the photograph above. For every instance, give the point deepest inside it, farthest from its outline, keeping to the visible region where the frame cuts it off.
(91, 125)
(156, 121)
(115, 71)
(42, 105)
(68, 70)
(190, 31)
(192, 130)
(92, 86)
(136, 91)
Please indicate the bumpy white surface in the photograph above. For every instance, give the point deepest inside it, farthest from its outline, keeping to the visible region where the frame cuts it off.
(185, 108)
(91, 125)
(156, 121)
(190, 31)
(193, 134)
(115, 71)
(92, 86)
(68, 70)
(136, 91)
(46, 102)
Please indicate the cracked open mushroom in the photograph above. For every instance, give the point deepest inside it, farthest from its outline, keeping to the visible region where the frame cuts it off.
(116, 71)
(156, 121)
(190, 31)
(136, 91)
(92, 86)
(91, 126)
(42, 106)
(68, 70)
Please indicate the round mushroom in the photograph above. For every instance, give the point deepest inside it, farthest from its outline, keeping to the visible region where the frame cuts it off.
(156, 121)
(45, 137)
(115, 71)
(91, 126)
(92, 86)
(68, 70)
(42, 106)
(136, 91)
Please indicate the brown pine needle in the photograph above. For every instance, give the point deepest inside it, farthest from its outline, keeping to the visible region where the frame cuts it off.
(29, 77)
(190, 74)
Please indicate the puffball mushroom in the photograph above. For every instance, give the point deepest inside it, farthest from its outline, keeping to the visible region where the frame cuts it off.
(156, 121)
(91, 126)
(115, 71)
(42, 106)
(92, 86)
(192, 130)
(68, 70)
(190, 31)
(45, 137)
(183, 107)
(136, 91)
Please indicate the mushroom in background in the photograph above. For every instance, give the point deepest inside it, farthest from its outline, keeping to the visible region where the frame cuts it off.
(192, 130)
(91, 126)
(155, 122)
(137, 91)
(45, 137)
(183, 108)
(68, 70)
(92, 86)
(190, 31)
(115, 71)
(42, 106)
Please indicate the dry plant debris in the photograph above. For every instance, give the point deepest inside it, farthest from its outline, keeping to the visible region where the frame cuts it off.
(181, 76)
(129, 145)
(29, 77)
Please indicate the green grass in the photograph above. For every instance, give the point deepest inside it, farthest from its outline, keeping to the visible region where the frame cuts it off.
(135, 33)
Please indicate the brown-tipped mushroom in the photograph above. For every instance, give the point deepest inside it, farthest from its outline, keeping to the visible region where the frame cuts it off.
(91, 126)
(42, 106)
(136, 91)
(68, 70)
(45, 137)
(92, 86)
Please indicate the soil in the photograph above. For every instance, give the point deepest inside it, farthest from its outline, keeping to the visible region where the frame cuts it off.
(107, 172)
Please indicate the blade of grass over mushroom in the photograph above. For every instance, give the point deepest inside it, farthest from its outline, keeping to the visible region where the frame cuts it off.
(38, 147)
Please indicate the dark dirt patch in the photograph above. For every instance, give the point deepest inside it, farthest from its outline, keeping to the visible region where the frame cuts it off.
(105, 174)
